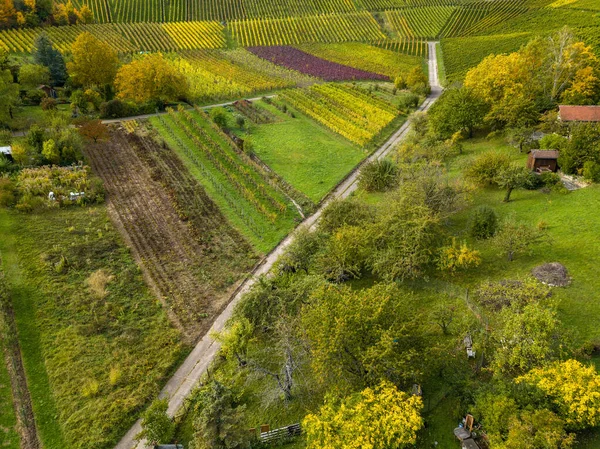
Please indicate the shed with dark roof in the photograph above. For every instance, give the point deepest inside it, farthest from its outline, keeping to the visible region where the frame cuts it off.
(543, 161)
(569, 113)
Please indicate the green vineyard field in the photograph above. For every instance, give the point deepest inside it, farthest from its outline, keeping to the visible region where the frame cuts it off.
(297, 30)
(123, 37)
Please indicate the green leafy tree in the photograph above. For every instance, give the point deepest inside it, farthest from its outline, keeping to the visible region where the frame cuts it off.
(9, 96)
(526, 338)
(458, 110)
(484, 169)
(346, 254)
(33, 75)
(583, 146)
(404, 237)
(538, 429)
(379, 418)
(51, 152)
(94, 62)
(218, 422)
(516, 238)
(157, 426)
(512, 177)
(45, 54)
(357, 338)
(235, 340)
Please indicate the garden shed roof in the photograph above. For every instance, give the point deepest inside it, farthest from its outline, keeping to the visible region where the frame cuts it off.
(544, 154)
(579, 113)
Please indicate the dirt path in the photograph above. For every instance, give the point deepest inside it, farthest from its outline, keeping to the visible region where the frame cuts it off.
(20, 391)
(195, 365)
(211, 106)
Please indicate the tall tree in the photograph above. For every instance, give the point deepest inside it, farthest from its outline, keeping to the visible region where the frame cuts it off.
(458, 110)
(8, 13)
(9, 96)
(573, 387)
(46, 55)
(379, 418)
(218, 423)
(94, 62)
(157, 426)
(357, 338)
(150, 78)
(512, 177)
(527, 338)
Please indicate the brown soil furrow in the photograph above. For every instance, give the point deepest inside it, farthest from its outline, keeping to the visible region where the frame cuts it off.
(186, 263)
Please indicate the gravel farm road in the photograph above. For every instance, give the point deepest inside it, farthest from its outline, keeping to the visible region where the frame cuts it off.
(179, 387)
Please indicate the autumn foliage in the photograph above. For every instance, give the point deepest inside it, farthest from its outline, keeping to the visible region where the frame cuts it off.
(376, 418)
(152, 77)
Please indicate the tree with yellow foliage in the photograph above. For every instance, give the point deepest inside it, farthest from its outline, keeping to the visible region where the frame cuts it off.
(573, 387)
(379, 418)
(520, 85)
(458, 256)
(8, 13)
(151, 77)
(94, 62)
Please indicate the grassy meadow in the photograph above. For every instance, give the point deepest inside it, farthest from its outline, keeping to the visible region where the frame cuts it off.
(96, 345)
(308, 156)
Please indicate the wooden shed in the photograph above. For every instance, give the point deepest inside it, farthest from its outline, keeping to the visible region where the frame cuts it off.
(543, 161)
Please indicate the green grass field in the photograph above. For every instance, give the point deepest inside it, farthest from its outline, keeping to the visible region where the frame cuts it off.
(308, 156)
(572, 221)
(91, 364)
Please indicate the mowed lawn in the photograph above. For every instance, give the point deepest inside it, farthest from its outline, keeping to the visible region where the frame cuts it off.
(305, 154)
(572, 238)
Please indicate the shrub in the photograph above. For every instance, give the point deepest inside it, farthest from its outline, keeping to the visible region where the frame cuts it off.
(408, 101)
(378, 176)
(90, 389)
(48, 104)
(344, 212)
(486, 167)
(157, 427)
(240, 121)
(549, 179)
(116, 109)
(219, 116)
(7, 192)
(591, 171)
(505, 293)
(553, 142)
(400, 82)
(484, 223)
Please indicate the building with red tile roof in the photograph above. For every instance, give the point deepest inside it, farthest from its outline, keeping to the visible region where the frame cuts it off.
(579, 113)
